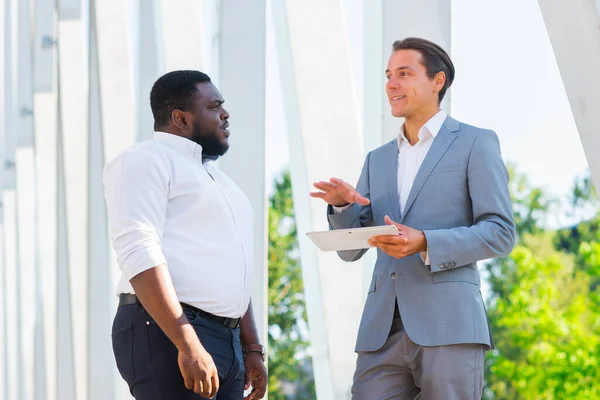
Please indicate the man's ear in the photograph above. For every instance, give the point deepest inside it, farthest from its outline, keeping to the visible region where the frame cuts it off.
(440, 80)
(179, 118)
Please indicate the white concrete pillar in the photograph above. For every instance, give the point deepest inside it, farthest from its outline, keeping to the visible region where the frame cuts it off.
(573, 31)
(9, 212)
(103, 379)
(45, 108)
(148, 65)
(10, 293)
(324, 138)
(73, 142)
(241, 80)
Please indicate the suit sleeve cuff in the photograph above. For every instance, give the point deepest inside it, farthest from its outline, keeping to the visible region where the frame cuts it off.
(425, 257)
(339, 210)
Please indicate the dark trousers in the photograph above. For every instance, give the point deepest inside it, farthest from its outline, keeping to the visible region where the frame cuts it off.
(147, 359)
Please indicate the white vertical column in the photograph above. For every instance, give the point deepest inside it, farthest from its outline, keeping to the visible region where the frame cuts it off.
(402, 19)
(373, 99)
(4, 323)
(3, 344)
(149, 66)
(25, 205)
(243, 38)
(9, 201)
(112, 112)
(73, 167)
(573, 31)
(324, 138)
(182, 34)
(45, 121)
(10, 293)
(115, 75)
(103, 382)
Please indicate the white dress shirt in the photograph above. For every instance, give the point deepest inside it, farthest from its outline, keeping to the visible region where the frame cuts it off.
(165, 206)
(410, 158)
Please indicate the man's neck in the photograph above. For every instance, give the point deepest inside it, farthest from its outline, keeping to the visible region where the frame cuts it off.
(414, 123)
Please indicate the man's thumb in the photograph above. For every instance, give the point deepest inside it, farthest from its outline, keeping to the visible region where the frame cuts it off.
(389, 221)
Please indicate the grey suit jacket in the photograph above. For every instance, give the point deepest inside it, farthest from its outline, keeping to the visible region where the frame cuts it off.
(460, 200)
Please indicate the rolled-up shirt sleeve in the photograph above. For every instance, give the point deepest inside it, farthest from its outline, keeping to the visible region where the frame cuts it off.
(136, 186)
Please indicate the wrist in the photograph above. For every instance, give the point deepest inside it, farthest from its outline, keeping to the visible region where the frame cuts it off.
(423, 241)
(341, 205)
(188, 341)
(254, 349)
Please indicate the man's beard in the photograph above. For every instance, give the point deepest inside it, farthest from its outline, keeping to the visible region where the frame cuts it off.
(212, 147)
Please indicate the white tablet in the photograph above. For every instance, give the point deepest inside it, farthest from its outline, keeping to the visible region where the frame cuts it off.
(349, 239)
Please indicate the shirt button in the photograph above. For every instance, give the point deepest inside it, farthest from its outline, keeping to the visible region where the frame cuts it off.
(393, 275)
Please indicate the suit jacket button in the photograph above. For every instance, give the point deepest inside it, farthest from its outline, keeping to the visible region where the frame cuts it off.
(443, 266)
(393, 275)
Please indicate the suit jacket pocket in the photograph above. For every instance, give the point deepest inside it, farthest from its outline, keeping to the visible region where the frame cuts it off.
(373, 285)
(443, 169)
(466, 274)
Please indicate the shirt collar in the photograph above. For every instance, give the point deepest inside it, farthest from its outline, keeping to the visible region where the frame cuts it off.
(431, 127)
(180, 143)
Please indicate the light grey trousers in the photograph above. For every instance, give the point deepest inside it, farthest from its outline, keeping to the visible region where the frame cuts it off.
(403, 370)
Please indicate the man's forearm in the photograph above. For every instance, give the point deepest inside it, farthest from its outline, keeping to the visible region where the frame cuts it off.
(248, 331)
(154, 288)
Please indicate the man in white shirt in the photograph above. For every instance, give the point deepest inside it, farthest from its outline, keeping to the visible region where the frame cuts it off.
(444, 185)
(182, 233)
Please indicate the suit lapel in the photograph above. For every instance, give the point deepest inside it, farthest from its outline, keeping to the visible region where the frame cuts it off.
(390, 160)
(442, 141)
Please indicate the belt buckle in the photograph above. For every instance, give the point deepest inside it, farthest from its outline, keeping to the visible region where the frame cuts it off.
(228, 322)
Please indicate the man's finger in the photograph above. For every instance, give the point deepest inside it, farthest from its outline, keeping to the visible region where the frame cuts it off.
(389, 221)
(390, 239)
(189, 383)
(207, 388)
(215, 385)
(198, 387)
(363, 201)
(340, 182)
(324, 186)
(262, 387)
(248, 379)
(319, 195)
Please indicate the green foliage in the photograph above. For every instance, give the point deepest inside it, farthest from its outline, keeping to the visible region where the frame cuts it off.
(547, 329)
(545, 305)
(286, 303)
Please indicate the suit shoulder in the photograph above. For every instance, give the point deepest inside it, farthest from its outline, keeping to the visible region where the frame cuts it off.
(473, 132)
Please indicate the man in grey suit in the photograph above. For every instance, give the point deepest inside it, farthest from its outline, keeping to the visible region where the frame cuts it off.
(444, 185)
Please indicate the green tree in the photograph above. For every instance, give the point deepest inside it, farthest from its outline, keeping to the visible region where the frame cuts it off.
(544, 306)
(288, 346)
(547, 329)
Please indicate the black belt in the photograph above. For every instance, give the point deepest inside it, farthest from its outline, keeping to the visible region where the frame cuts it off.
(232, 323)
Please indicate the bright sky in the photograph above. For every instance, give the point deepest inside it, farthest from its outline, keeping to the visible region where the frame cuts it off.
(507, 80)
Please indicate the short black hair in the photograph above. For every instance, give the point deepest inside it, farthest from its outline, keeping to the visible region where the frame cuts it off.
(435, 59)
(172, 91)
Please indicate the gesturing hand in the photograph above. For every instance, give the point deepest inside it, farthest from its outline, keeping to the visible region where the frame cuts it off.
(338, 193)
(410, 241)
